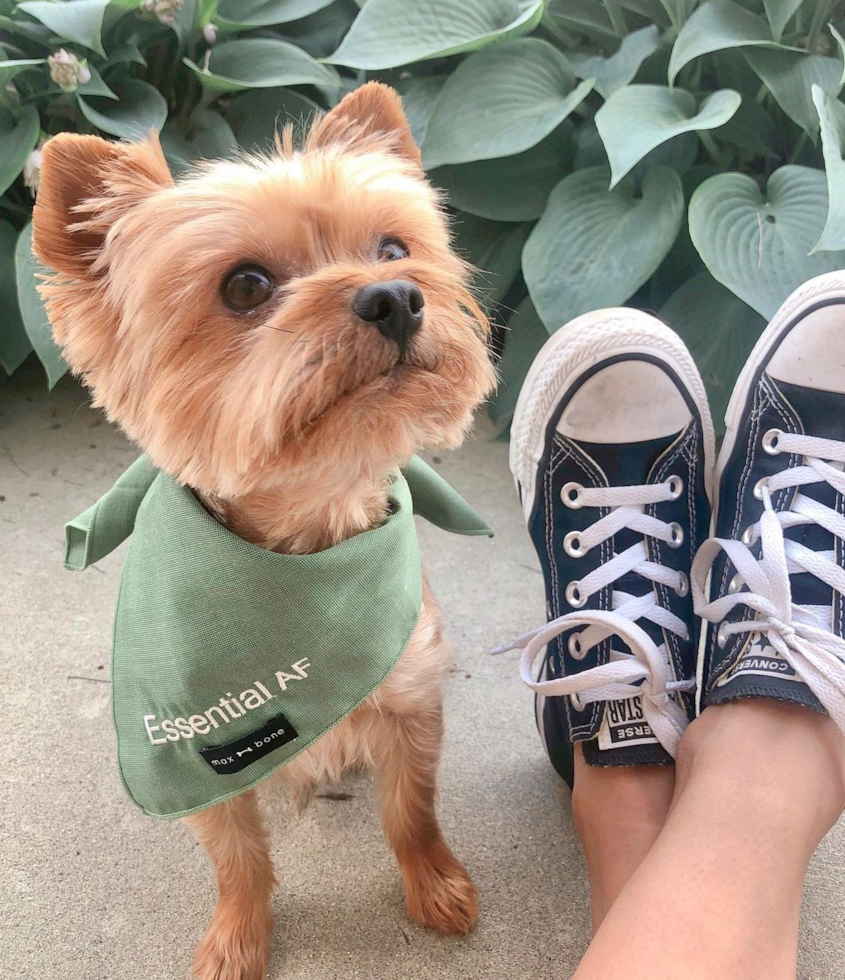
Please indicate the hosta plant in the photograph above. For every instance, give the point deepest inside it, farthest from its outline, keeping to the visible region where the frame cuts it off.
(678, 156)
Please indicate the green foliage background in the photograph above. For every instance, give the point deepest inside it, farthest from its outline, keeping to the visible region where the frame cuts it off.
(682, 157)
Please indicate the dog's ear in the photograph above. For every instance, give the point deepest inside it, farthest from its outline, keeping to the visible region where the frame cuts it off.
(373, 109)
(86, 184)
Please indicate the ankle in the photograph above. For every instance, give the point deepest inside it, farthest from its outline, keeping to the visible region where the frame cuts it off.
(786, 758)
(618, 814)
(620, 796)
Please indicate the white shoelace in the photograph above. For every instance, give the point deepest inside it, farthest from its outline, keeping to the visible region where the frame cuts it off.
(645, 672)
(800, 634)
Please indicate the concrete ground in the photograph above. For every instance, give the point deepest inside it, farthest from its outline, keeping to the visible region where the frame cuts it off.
(91, 889)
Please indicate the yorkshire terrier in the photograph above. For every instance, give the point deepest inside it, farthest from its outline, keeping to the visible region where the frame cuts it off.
(280, 333)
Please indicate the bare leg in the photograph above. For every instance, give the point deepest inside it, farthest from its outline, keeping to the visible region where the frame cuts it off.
(758, 785)
(236, 945)
(618, 812)
(438, 891)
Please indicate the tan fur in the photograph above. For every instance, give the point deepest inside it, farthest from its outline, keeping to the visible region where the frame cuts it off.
(286, 422)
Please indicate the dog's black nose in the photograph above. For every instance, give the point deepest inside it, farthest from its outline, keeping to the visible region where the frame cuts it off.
(395, 307)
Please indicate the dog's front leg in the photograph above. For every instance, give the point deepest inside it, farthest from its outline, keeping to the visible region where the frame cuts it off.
(438, 891)
(237, 943)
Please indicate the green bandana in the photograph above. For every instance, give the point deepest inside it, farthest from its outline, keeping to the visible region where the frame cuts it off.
(230, 660)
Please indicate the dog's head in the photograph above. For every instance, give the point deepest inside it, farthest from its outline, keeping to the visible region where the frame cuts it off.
(301, 309)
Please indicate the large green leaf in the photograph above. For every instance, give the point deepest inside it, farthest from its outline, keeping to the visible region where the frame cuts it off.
(594, 247)
(321, 33)
(34, 315)
(209, 137)
(832, 117)
(17, 140)
(494, 249)
(140, 109)
(94, 86)
(14, 343)
(244, 15)
(610, 74)
(526, 335)
(510, 188)
(779, 13)
(637, 118)
(9, 69)
(715, 26)
(756, 244)
(500, 102)
(80, 21)
(418, 98)
(261, 63)
(388, 33)
(719, 330)
(790, 77)
(257, 116)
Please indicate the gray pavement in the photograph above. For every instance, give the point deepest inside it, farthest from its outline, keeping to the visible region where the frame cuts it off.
(91, 889)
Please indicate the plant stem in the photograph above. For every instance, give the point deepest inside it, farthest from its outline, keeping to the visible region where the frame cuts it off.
(617, 17)
(709, 144)
(799, 146)
(7, 205)
(820, 17)
(669, 8)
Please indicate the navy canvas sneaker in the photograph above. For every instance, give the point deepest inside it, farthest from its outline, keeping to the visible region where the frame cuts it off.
(612, 449)
(772, 581)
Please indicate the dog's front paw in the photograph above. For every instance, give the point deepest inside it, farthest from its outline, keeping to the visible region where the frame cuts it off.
(236, 946)
(439, 892)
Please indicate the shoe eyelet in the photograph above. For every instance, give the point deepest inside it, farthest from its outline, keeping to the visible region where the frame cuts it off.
(770, 441)
(682, 588)
(735, 585)
(722, 636)
(577, 703)
(758, 487)
(576, 650)
(749, 535)
(572, 545)
(570, 494)
(677, 535)
(573, 595)
(675, 486)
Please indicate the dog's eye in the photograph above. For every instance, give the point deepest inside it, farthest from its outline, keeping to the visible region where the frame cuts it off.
(391, 249)
(246, 288)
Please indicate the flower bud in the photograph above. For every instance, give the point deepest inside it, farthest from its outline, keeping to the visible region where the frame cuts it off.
(67, 71)
(209, 32)
(164, 10)
(32, 169)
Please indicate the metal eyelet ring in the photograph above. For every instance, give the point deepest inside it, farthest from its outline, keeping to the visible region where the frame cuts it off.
(682, 588)
(748, 535)
(573, 644)
(573, 595)
(577, 703)
(572, 545)
(677, 535)
(754, 638)
(770, 441)
(735, 585)
(722, 637)
(675, 485)
(758, 487)
(570, 493)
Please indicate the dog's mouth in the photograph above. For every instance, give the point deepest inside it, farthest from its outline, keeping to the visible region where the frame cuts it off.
(385, 381)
